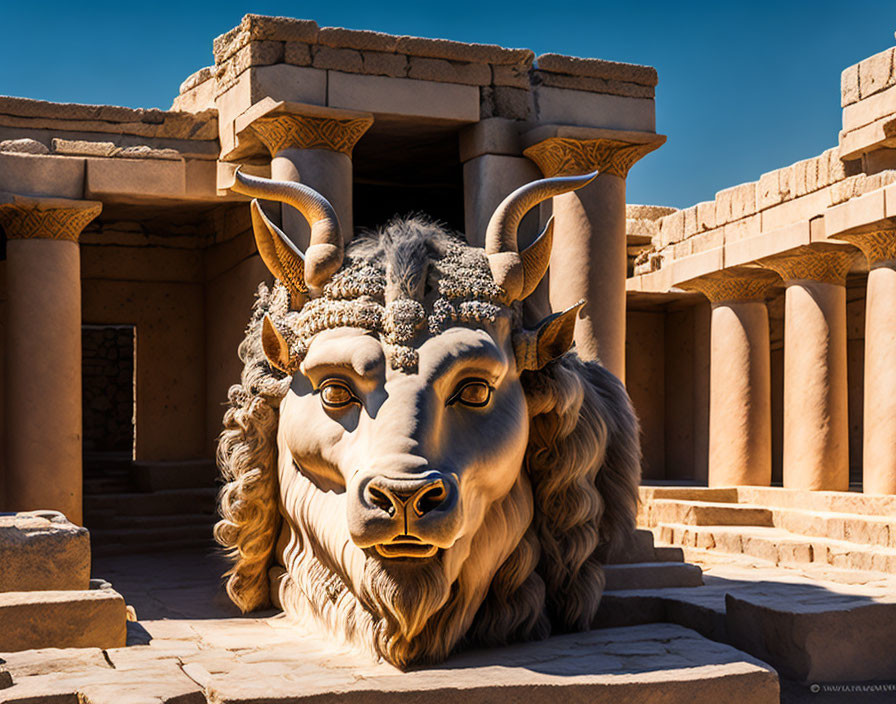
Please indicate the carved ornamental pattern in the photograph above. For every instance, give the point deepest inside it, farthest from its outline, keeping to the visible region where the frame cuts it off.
(807, 264)
(281, 132)
(734, 288)
(561, 156)
(879, 246)
(27, 220)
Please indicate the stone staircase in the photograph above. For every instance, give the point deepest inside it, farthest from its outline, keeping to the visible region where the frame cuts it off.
(150, 506)
(839, 536)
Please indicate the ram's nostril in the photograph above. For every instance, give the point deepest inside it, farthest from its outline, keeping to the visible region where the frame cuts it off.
(430, 498)
(380, 499)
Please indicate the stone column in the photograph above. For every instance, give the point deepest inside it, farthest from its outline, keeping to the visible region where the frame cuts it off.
(313, 145)
(589, 257)
(879, 417)
(740, 426)
(816, 430)
(43, 352)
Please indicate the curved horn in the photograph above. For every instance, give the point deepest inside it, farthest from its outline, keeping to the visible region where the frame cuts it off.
(519, 274)
(324, 255)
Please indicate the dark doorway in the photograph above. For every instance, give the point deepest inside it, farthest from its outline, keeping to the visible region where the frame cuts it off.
(108, 389)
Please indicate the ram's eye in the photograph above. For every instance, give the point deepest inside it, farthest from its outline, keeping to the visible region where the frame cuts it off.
(336, 394)
(471, 392)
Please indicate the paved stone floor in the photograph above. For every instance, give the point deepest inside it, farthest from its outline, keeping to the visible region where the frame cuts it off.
(190, 645)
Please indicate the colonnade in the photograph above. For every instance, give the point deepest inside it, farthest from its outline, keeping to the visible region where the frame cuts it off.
(816, 430)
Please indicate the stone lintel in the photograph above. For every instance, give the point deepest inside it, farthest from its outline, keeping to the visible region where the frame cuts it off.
(493, 135)
(559, 150)
(878, 243)
(279, 125)
(29, 217)
(734, 285)
(821, 263)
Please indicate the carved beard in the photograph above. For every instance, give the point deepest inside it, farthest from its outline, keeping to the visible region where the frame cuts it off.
(406, 596)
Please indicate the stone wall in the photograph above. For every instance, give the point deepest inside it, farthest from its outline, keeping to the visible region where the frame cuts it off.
(780, 198)
(108, 388)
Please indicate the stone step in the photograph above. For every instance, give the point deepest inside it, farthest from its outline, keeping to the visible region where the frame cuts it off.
(93, 618)
(780, 546)
(652, 575)
(834, 501)
(162, 476)
(712, 559)
(161, 535)
(855, 528)
(111, 521)
(807, 630)
(708, 513)
(175, 501)
(689, 493)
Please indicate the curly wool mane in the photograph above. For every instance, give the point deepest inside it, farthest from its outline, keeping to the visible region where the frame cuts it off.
(582, 460)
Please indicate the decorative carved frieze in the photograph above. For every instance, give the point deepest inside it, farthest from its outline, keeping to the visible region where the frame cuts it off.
(51, 219)
(807, 263)
(878, 246)
(562, 156)
(734, 285)
(279, 132)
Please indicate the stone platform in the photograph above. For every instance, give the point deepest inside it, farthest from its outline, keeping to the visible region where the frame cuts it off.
(191, 646)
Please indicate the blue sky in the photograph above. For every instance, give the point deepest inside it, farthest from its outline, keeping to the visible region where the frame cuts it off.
(744, 87)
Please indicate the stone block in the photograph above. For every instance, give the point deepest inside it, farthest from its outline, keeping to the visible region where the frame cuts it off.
(572, 107)
(36, 175)
(443, 71)
(514, 76)
(461, 51)
(133, 178)
(706, 215)
(511, 103)
(697, 265)
(854, 643)
(652, 575)
(690, 221)
(864, 210)
(795, 210)
(363, 40)
(494, 135)
(682, 249)
(403, 96)
(62, 619)
(661, 662)
(880, 105)
(52, 661)
(742, 229)
(876, 73)
(705, 241)
(42, 550)
(751, 249)
(23, 146)
(326, 57)
(849, 86)
(598, 68)
(592, 85)
(672, 228)
(297, 54)
(377, 63)
(261, 28)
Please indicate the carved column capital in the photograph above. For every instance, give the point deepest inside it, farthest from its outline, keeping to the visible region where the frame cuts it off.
(878, 245)
(564, 156)
(736, 285)
(808, 263)
(24, 218)
(295, 131)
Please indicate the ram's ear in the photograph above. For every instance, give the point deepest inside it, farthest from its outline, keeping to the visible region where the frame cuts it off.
(550, 339)
(276, 348)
